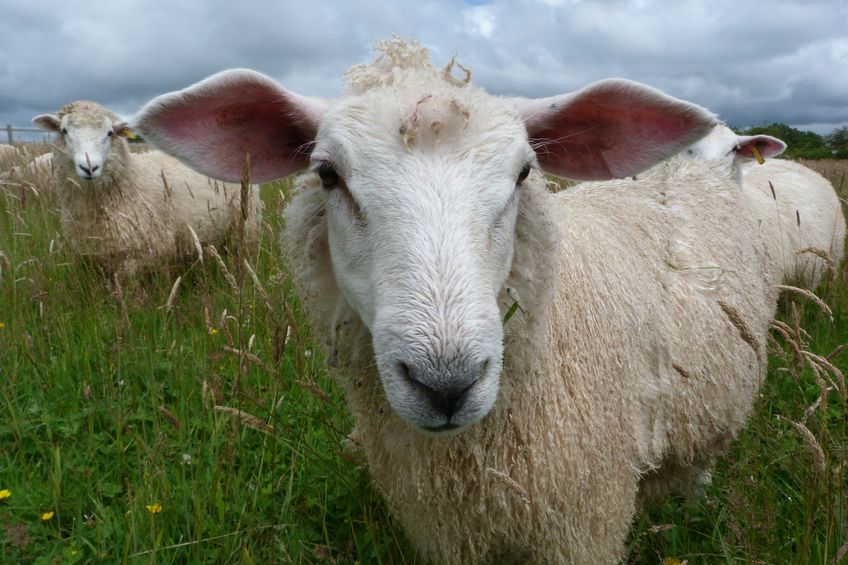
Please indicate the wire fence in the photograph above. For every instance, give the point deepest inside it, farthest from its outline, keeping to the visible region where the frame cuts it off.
(10, 134)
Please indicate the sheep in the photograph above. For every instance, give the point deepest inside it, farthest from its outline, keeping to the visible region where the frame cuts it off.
(7, 152)
(134, 211)
(797, 209)
(636, 344)
(35, 176)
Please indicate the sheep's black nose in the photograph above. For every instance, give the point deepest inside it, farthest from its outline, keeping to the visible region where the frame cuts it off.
(88, 171)
(445, 396)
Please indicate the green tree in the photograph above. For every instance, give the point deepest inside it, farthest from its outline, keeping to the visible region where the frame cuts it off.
(837, 142)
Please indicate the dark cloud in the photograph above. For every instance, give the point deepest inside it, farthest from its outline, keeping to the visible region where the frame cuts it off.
(750, 62)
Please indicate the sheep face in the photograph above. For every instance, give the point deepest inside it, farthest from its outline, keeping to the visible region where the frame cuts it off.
(421, 229)
(87, 135)
(421, 178)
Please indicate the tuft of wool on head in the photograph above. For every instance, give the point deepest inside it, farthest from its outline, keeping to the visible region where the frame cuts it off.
(86, 108)
(397, 59)
(404, 65)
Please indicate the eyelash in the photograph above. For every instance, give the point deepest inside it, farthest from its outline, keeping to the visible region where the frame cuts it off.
(331, 180)
(523, 174)
(329, 176)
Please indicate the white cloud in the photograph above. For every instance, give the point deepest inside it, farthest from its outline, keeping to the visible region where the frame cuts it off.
(480, 21)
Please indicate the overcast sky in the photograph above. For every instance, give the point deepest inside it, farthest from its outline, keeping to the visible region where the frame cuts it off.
(752, 62)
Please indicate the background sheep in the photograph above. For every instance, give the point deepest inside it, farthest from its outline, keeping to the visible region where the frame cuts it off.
(644, 306)
(134, 210)
(803, 205)
(796, 208)
(36, 176)
(7, 152)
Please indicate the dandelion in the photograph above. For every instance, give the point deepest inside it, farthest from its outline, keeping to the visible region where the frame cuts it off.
(46, 516)
(154, 508)
(213, 331)
(5, 493)
(2, 325)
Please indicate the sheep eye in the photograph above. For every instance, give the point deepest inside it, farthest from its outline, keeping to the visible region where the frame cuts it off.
(523, 174)
(64, 131)
(329, 176)
(110, 133)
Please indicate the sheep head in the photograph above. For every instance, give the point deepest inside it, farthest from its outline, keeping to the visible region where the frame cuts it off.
(728, 151)
(421, 177)
(87, 132)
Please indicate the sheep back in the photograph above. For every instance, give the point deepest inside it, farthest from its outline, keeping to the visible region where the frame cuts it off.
(802, 217)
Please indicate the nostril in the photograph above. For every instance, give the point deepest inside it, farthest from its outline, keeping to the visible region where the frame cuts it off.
(403, 369)
(85, 169)
(94, 168)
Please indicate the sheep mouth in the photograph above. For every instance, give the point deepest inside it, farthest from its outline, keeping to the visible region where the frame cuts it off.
(446, 427)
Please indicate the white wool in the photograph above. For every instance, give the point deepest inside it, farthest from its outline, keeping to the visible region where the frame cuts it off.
(801, 216)
(7, 152)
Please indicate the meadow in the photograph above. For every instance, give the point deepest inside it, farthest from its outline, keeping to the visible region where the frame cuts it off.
(188, 417)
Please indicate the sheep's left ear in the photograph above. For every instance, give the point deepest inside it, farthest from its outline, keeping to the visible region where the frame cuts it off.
(766, 145)
(124, 130)
(212, 125)
(47, 122)
(614, 128)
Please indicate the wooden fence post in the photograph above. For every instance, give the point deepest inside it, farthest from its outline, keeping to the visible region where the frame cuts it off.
(9, 133)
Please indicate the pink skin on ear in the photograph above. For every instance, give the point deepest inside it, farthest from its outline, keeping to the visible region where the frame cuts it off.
(766, 145)
(611, 129)
(213, 124)
(47, 122)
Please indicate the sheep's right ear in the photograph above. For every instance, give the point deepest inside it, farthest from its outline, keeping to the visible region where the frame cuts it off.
(214, 124)
(766, 145)
(123, 129)
(47, 122)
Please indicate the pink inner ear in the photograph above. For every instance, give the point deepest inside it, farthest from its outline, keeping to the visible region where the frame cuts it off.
(214, 124)
(47, 122)
(612, 129)
(766, 145)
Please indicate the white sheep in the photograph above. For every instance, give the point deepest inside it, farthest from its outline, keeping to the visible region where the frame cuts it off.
(7, 152)
(132, 211)
(34, 176)
(639, 344)
(796, 208)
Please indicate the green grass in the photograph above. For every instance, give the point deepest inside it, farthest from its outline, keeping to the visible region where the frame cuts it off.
(110, 404)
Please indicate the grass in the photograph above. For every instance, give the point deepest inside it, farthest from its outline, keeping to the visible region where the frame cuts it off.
(194, 422)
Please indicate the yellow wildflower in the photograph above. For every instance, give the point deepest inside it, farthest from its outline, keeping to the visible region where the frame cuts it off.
(213, 331)
(5, 493)
(154, 508)
(2, 325)
(46, 516)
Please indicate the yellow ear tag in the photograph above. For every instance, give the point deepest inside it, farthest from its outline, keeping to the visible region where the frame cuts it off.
(129, 134)
(757, 155)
